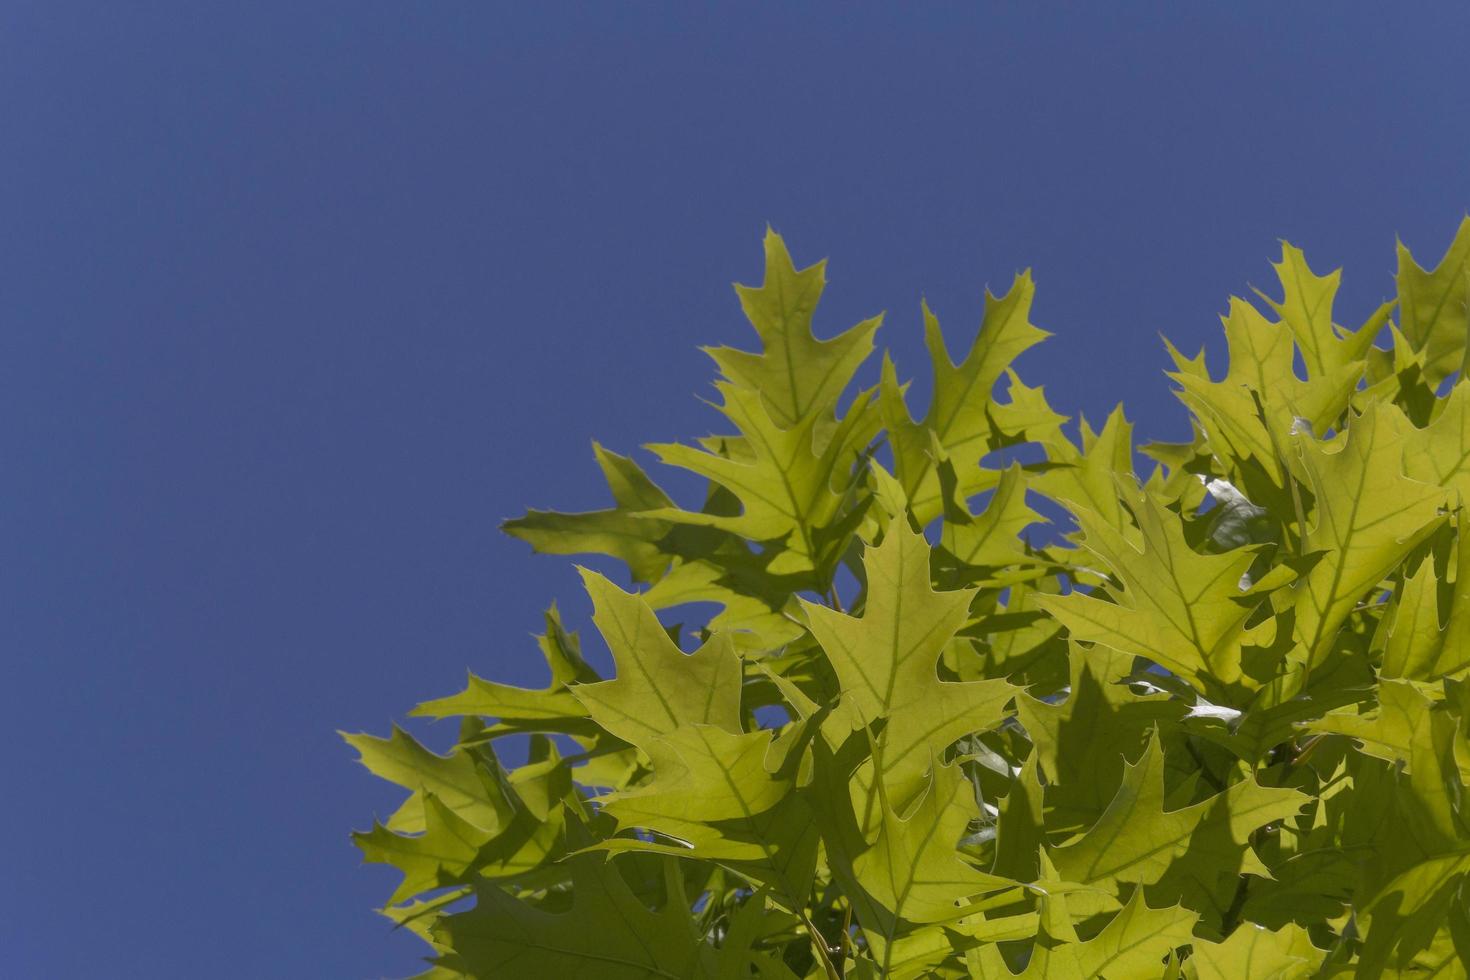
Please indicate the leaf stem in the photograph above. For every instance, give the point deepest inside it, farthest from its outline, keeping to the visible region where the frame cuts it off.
(819, 946)
(1237, 905)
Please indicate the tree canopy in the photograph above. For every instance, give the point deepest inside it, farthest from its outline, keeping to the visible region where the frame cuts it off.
(979, 699)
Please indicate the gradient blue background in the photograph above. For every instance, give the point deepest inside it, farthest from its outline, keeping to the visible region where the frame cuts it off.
(297, 301)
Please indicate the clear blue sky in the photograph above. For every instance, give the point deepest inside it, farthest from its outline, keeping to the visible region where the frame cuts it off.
(298, 301)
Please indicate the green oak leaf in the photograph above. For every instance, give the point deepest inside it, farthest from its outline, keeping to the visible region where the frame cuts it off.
(756, 606)
(1433, 312)
(1080, 743)
(1132, 945)
(1439, 453)
(990, 539)
(467, 782)
(904, 872)
(552, 708)
(441, 847)
(1136, 841)
(1385, 731)
(607, 932)
(658, 688)
(962, 414)
(1413, 830)
(1248, 415)
(1255, 951)
(1306, 310)
(451, 851)
(441, 854)
(1177, 607)
(724, 797)
(913, 871)
(886, 660)
(1427, 633)
(1368, 517)
(792, 486)
(615, 531)
(1089, 475)
(799, 377)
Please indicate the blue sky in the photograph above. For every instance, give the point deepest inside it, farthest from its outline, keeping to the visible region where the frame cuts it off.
(298, 301)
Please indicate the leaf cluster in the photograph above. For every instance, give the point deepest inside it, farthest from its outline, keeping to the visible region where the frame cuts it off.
(1206, 722)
